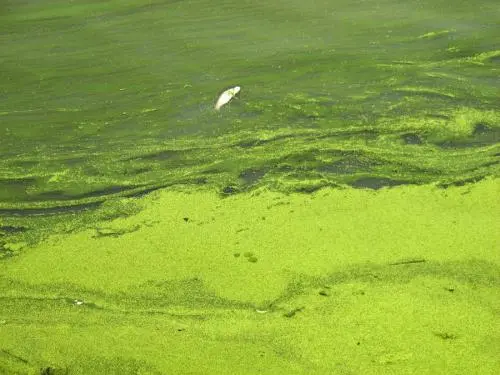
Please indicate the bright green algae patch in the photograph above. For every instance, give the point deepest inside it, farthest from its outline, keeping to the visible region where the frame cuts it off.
(223, 268)
(449, 147)
(338, 281)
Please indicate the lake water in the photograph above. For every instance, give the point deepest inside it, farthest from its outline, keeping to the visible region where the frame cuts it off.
(105, 99)
(107, 113)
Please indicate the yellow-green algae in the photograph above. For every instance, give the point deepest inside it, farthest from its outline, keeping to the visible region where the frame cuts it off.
(453, 145)
(113, 100)
(435, 34)
(345, 281)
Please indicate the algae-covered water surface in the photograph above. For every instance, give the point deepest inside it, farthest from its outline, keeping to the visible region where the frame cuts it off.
(339, 216)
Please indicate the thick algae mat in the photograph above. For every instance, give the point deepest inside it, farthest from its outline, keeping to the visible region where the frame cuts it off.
(339, 218)
(342, 281)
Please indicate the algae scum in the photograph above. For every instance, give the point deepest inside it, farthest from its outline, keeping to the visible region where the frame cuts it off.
(337, 215)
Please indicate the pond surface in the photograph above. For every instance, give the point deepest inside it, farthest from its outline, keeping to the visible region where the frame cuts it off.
(106, 99)
(364, 141)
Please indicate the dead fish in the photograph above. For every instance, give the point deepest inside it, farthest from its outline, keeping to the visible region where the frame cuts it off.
(226, 96)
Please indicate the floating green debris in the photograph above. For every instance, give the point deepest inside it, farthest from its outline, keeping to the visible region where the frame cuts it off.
(425, 91)
(435, 34)
(486, 56)
(148, 110)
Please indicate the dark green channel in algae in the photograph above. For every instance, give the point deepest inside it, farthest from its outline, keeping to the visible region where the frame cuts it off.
(339, 216)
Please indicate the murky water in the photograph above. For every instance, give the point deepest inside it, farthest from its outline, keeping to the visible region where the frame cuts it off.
(106, 100)
(112, 99)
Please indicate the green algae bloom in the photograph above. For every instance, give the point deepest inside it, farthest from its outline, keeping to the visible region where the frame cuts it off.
(339, 218)
(343, 273)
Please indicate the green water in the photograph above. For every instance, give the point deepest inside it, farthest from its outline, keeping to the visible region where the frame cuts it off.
(366, 135)
(106, 99)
